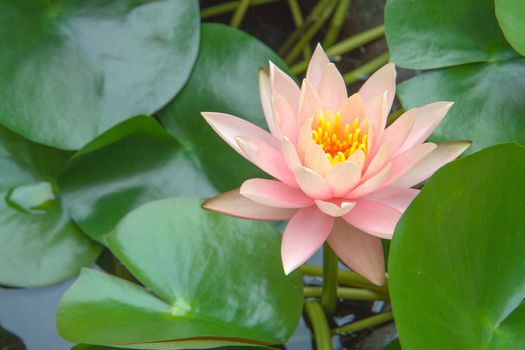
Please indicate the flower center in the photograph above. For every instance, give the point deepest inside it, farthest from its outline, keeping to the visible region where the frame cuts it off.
(338, 142)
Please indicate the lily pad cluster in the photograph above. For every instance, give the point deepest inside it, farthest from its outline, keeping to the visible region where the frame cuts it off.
(469, 47)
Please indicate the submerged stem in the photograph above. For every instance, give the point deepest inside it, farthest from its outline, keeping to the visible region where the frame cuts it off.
(364, 324)
(366, 69)
(337, 22)
(239, 13)
(299, 20)
(329, 289)
(228, 7)
(321, 330)
(347, 293)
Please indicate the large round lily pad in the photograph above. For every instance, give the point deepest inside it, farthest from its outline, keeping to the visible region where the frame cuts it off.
(457, 262)
(72, 69)
(210, 281)
(510, 14)
(224, 79)
(133, 163)
(39, 244)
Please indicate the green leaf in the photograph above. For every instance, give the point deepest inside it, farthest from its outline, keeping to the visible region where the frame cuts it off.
(133, 163)
(72, 69)
(39, 242)
(210, 280)
(98, 347)
(488, 108)
(393, 345)
(457, 262)
(427, 34)
(224, 79)
(510, 14)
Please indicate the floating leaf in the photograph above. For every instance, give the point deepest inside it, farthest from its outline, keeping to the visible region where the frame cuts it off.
(510, 14)
(211, 281)
(457, 262)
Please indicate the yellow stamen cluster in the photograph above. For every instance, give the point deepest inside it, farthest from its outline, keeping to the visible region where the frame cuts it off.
(337, 142)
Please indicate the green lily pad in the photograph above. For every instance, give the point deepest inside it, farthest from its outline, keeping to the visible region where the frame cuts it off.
(482, 113)
(457, 262)
(210, 280)
(427, 34)
(224, 79)
(99, 347)
(393, 345)
(133, 163)
(39, 244)
(510, 14)
(72, 69)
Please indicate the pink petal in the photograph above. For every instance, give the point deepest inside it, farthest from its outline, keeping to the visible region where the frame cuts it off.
(229, 127)
(265, 93)
(398, 132)
(274, 193)
(372, 184)
(316, 159)
(317, 66)
(285, 86)
(377, 114)
(332, 89)
(443, 154)
(305, 138)
(396, 197)
(360, 251)
(343, 177)
(373, 217)
(382, 80)
(290, 155)
(304, 234)
(332, 209)
(358, 158)
(266, 158)
(234, 204)
(427, 119)
(312, 183)
(378, 160)
(351, 109)
(309, 103)
(284, 118)
(405, 162)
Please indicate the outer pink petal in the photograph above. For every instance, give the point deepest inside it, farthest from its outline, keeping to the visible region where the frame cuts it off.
(234, 204)
(304, 234)
(382, 80)
(312, 183)
(405, 162)
(343, 177)
(269, 159)
(274, 193)
(427, 119)
(379, 160)
(229, 127)
(372, 184)
(305, 138)
(352, 108)
(285, 118)
(265, 93)
(360, 251)
(332, 90)
(373, 217)
(333, 209)
(358, 158)
(398, 132)
(377, 114)
(283, 85)
(317, 66)
(316, 159)
(309, 102)
(290, 155)
(443, 154)
(395, 197)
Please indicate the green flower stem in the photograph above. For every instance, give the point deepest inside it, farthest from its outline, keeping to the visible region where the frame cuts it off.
(311, 18)
(346, 45)
(346, 278)
(337, 22)
(310, 33)
(329, 289)
(239, 13)
(228, 7)
(364, 324)
(321, 330)
(347, 293)
(366, 69)
(299, 20)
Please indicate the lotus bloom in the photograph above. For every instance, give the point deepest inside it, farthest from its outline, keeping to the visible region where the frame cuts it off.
(339, 175)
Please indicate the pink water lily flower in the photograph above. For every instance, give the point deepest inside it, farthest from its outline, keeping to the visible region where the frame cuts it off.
(340, 175)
